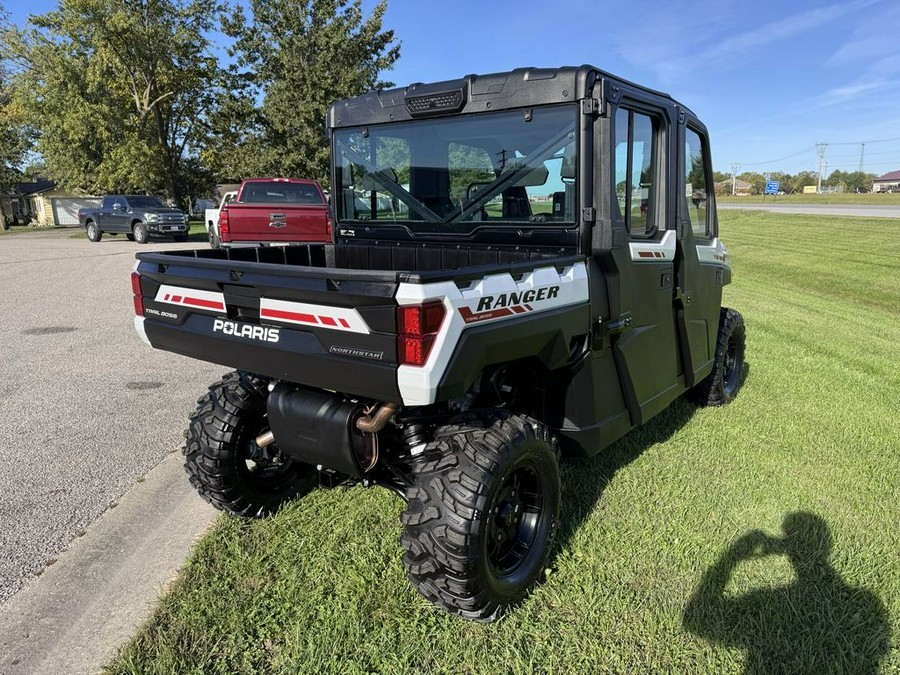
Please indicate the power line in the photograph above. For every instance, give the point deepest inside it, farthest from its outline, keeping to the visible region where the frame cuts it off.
(879, 140)
(818, 149)
(780, 159)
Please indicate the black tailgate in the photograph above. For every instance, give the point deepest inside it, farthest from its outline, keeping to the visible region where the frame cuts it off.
(311, 324)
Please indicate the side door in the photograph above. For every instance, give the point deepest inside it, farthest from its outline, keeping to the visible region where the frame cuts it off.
(647, 352)
(107, 214)
(702, 263)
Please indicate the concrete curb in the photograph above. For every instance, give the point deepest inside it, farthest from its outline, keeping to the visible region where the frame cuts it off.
(85, 606)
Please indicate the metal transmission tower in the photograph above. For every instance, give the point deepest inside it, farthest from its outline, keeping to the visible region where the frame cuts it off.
(821, 147)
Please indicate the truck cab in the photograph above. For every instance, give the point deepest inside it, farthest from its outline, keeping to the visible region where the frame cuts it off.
(525, 265)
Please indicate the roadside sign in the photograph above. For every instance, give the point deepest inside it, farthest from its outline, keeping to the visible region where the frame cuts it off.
(772, 187)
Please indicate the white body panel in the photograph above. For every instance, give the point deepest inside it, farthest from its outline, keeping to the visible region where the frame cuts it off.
(495, 298)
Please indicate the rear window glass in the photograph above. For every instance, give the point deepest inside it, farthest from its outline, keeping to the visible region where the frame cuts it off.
(281, 193)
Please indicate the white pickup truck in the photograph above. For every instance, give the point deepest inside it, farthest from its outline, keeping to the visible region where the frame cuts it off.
(211, 218)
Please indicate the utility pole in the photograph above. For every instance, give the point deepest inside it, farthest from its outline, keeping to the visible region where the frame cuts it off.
(734, 169)
(821, 148)
(862, 154)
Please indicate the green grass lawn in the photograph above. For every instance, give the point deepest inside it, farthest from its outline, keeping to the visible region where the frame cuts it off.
(661, 566)
(23, 229)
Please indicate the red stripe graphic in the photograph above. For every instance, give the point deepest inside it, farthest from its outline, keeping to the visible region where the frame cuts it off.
(198, 302)
(328, 321)
(288, 316)
(194, 302)
(344, 323)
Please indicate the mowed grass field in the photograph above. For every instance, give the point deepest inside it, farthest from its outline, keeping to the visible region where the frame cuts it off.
(758, 537)
(866, 198)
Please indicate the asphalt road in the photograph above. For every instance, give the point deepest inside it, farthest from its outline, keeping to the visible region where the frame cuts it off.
(87, 409)
(867, 210)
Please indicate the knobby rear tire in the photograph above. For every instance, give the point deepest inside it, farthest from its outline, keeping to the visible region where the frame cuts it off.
(219, 451)
(466, 549)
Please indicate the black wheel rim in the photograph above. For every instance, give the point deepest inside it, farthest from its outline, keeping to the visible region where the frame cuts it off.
(514, 520)
(732, 365)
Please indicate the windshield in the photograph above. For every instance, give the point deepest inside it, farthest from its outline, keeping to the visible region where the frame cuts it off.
(142, 202)
(456, 174)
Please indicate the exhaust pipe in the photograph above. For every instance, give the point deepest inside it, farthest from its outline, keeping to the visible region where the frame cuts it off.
(367, 424)
(321, 428)
(372, 425)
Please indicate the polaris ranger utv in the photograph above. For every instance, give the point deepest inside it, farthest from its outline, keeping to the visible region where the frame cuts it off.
(524, 264)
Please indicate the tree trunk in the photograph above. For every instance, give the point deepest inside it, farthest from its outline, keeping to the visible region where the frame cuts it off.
(163, 141)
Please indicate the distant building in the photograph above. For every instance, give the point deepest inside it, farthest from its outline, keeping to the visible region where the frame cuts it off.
(40, 202)
(742, 188)
(889, 182)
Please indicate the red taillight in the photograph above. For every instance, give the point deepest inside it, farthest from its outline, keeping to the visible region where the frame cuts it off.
(328, 224)
(224, 230)
(138, 295)
(417, 328)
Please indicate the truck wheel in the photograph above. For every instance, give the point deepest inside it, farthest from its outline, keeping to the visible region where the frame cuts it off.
(139, 231)
(214, 239)
(93, 231)
(722, 384)
(222, 459)
(482, 514)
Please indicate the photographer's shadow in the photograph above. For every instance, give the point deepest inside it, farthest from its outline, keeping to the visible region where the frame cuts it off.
(817, 624)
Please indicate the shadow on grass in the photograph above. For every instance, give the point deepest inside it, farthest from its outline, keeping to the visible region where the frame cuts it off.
(584, 480)
(817, 624)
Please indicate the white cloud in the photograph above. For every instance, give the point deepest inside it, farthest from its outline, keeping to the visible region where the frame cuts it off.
(874, 39)
(672, 47)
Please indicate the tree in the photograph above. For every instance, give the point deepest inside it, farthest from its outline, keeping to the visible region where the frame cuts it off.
(293, 59)
(802, 179)
(15, 138)
(853, 181)
(757, 180)
(119, 90)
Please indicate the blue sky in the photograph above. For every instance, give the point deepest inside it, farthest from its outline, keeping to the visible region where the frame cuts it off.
(769, 79)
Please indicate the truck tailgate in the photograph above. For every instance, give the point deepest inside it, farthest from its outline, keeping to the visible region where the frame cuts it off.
(316, 325)
(278, 222)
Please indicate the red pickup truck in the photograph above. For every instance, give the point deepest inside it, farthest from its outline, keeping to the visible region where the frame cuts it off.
(275, 211)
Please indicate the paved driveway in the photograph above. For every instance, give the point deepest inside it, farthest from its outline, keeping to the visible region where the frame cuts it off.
(86, 408)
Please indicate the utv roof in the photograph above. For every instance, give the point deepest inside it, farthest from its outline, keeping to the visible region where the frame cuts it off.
(520, 88)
